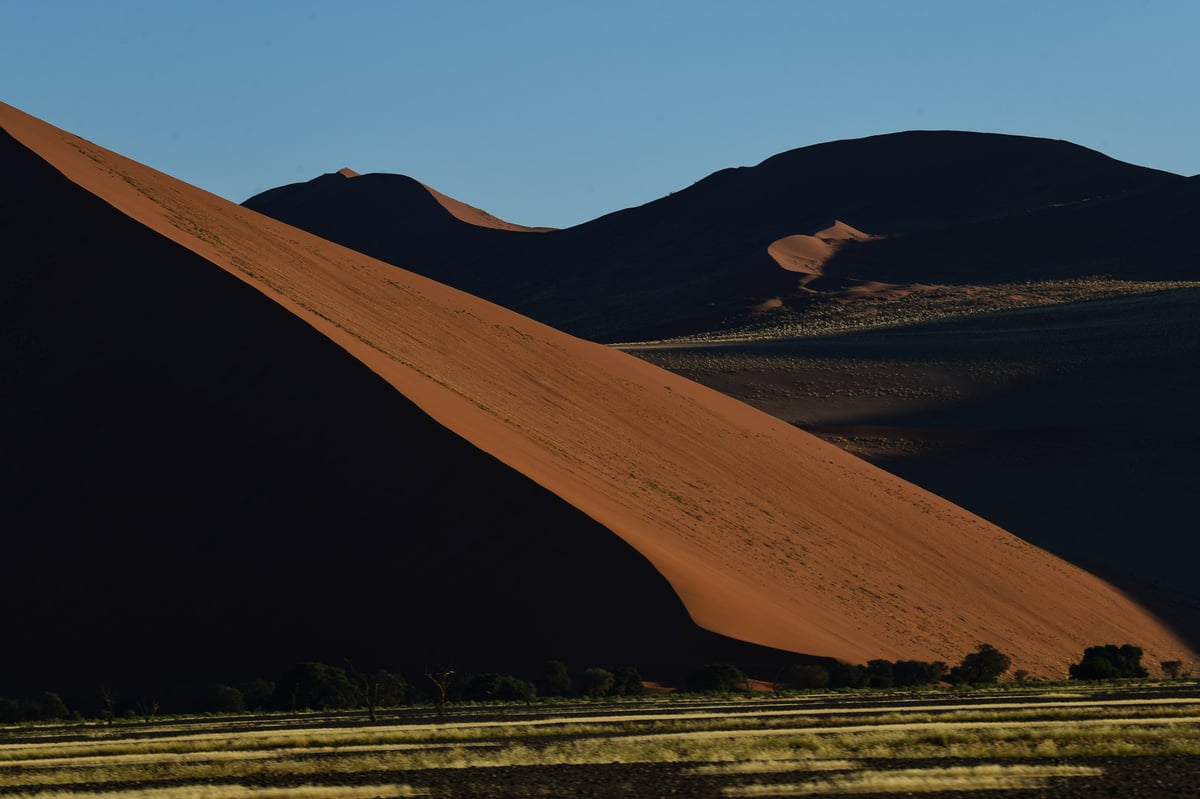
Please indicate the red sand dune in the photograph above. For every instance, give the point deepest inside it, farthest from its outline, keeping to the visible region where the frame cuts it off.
(807, 254)
(766, 533)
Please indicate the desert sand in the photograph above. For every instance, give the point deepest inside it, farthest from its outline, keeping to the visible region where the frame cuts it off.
(766, 533)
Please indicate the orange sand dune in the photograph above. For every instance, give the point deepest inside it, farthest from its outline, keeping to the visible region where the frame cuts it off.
(807, 254)
(767, 534)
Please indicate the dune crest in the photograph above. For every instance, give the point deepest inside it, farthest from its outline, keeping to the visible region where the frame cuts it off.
(478, 217)
(806, 254)
(766, 533)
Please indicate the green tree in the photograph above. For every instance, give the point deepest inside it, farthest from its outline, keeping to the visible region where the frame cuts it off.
(1172, 668)
(1109, 662)
(716, 677)
(807, 676)
(555, 679)
(907, 673)
(879, 674)
(225, 699)
(500, 688)
(595, 681)
(317, 686)
(847, 675)
(627, 681)
(985, 665)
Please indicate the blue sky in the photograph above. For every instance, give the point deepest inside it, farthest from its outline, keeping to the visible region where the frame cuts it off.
(552, 113)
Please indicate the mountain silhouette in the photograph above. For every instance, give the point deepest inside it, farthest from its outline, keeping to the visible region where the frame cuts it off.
(698, 259)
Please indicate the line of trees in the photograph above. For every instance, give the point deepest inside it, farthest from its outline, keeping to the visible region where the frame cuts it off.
(318, 686)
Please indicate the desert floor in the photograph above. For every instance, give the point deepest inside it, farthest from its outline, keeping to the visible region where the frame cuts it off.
(1049, 740)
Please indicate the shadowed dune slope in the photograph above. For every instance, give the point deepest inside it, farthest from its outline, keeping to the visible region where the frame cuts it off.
(700, 256)
(766, 534)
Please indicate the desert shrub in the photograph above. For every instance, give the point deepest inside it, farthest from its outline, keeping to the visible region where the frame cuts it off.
(10, 711)
(257, 694)
(498, 687)
(985, 665)
(1109, 662)
(906, 673)
(317, 686)
(1021, 676)
(879, 674)
(47, 707)
(388, 688)
(807, 675)
(595, 681)
(225, 699)
(555, 679)
(847, 675)
(1172, 668)
(627, 681)
(721, 677)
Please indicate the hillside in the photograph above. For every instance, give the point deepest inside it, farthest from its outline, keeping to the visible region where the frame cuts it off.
(235, 440)
(698, 261)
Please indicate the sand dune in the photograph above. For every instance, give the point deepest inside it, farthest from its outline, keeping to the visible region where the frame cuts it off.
(767, 534)
(708, 254)
(807, 254)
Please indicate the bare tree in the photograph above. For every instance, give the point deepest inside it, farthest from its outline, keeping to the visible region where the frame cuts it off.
(441, 678)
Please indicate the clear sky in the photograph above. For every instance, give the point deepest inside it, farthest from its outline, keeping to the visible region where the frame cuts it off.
(553, 113)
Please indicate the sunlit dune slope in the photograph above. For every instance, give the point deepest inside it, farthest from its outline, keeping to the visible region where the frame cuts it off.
(767, 534)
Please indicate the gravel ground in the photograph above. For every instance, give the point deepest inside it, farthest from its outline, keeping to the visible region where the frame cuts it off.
(1150, 777)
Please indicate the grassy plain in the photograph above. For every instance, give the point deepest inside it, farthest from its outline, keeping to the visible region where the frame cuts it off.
(1090, 741)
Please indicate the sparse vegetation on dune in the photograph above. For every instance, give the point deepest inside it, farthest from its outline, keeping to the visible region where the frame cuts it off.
(805, 316)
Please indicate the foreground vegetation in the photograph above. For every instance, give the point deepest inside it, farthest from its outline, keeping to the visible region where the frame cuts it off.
(768, 745)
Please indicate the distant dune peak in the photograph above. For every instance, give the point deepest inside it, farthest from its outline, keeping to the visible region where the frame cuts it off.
(476, 216)
(806, 254)
(347, 172)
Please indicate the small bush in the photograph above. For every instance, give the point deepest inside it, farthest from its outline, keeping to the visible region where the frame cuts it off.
(1172, 668)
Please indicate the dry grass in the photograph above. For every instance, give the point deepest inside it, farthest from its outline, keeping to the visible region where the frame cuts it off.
(823, 315)
(714, 741)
